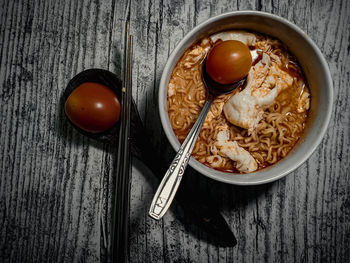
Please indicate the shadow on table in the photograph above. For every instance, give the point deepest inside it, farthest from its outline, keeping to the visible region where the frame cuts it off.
(214, 194)
(229, 198)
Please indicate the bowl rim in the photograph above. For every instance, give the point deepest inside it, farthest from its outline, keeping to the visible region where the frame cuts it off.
(201, 167)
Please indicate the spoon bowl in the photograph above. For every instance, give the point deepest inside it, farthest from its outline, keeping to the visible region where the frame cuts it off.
(215, 88)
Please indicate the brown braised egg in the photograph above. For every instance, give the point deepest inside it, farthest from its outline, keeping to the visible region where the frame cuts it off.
(228, 61)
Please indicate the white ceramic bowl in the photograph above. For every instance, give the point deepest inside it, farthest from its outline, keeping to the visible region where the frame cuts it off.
(314, 66)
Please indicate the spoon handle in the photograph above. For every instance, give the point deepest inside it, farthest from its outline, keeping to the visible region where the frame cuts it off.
(171, 181)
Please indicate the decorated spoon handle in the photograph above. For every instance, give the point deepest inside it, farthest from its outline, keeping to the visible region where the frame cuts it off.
(171, 181)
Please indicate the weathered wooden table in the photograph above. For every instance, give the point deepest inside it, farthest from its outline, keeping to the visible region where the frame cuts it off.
(55, 184)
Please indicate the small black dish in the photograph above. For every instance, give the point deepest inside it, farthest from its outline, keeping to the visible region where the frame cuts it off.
(103, 77)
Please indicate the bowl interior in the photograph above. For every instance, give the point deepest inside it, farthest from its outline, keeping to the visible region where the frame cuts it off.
(315, 69)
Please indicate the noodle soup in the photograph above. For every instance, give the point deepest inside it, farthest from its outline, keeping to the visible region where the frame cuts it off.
(252, 127)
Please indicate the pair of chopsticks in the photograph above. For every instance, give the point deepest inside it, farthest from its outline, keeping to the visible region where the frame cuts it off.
(120, 223)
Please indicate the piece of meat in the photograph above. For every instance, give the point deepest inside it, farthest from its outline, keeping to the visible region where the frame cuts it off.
(171, 89)
(239, 35)
(194, 57)
(304, 102)
(264, 82)
(245, 109)
(244, 161)
(215, 161)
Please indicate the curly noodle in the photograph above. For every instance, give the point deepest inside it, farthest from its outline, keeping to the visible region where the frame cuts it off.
(273, 138)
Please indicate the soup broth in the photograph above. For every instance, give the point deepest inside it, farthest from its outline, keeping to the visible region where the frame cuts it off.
(264, 137)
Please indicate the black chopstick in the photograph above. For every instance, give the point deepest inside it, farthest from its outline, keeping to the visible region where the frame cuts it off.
(120, 223)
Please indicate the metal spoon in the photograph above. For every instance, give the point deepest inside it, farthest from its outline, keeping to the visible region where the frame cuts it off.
(171, 181)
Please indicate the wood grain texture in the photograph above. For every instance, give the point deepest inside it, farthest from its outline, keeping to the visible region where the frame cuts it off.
(55, 183)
